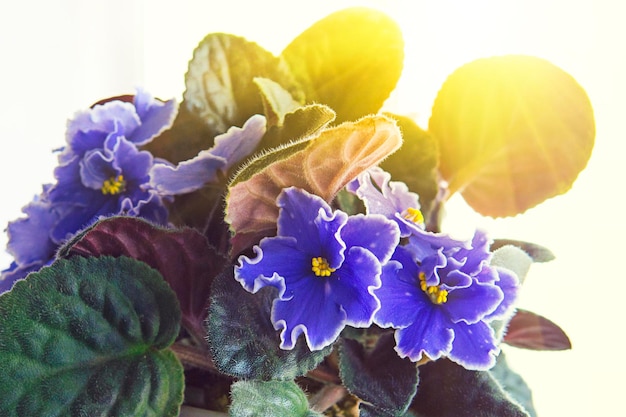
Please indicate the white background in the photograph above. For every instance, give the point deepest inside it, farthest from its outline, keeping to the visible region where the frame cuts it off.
(61, 56)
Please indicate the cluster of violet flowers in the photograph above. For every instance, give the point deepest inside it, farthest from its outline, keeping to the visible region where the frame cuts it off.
(331, 269)
(334, 270)
(104, 172)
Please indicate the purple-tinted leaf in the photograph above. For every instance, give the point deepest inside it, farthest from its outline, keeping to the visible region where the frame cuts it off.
(528, 330)
(183, 256)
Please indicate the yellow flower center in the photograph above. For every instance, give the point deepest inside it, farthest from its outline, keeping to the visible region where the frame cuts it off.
(320, 267)
(113, 185)
(414, 215)
(436, 294)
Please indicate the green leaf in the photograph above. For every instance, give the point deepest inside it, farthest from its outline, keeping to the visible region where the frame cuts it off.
(269, 399)
(513, 384)
(537, 252)
(182, 256)
(415, 163)
(220, 80)
(277, 101)
(89, 336)
(242, 339)
(350, 60)
(386, 382)
(514, 259)
(449, 390)
(528, 330)
(301, 123)
(513, 131)
(322, 165)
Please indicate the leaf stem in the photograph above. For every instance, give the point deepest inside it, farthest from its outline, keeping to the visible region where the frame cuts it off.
(328, 396)
(196, 357)
(186, 411)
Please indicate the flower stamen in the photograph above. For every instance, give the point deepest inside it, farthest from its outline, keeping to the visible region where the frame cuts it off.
(436, 294)
(320, 267)
(114, 185)
(414, 215)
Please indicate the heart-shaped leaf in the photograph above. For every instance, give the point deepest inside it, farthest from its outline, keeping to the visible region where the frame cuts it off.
(220, 80)
(322, 165)
(269, 399)
(528, 330)
(350, 60)
(512, 131)
(449, 390)
(243, 340)
(89, 336)
(182, 256)
(386, 382)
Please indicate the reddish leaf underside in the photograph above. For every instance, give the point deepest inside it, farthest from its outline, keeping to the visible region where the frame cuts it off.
(331, 159)
(528, 330)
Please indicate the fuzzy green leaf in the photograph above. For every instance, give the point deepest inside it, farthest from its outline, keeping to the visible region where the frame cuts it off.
(277, 101)
(243, 340)
(386, 382)
(269, 399)
(182, 256)
(449, 390)
(513, 131)
(220, 80)
(537, 252)
(89, 336)
(350, 60)
(513, 384)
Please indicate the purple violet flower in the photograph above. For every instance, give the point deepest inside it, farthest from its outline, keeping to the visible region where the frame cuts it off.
(392, 199)
(440, 294)
(326, 266)
(230, 148)
(101, 173)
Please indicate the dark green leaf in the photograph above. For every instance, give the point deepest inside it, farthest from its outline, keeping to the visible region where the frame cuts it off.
(538, 253)
(350, 60)
(220, 80)
(242, 338)
(89, 336)
(380, 378)
(528, 330)
(449, 390)
(513, 384)
(269, 399)
(182, 256)
(415, 163)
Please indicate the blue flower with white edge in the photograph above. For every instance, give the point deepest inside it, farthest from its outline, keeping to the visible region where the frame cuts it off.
(230, 148)
(326, 266)
(392, 199)
(440, 294)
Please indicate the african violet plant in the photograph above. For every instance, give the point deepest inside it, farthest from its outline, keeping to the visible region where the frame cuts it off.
(272, 246)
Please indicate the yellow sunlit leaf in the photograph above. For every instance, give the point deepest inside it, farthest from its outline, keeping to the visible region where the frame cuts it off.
(512, 131)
